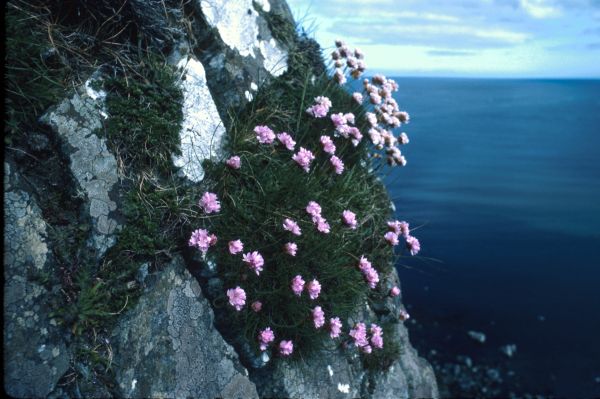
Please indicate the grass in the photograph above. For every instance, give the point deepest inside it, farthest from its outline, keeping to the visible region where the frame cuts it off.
(270, 187)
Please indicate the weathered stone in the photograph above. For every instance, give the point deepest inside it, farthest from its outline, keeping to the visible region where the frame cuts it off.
(167, 346)
(35, 357)
(75, 120)
(202, 130)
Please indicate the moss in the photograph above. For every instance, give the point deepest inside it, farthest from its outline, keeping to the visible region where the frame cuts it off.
(35, 75)
(145, 116)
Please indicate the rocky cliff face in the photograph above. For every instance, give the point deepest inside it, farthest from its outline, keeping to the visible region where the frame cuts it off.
(65, 204)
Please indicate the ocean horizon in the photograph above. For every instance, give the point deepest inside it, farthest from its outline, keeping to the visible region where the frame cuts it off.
(502, 187)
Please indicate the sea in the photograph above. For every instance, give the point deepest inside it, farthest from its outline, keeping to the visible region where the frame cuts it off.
(502, 188)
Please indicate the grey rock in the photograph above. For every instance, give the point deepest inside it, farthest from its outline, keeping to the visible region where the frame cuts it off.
(75, 121)
(35, 356)
(167, 346)
(477, 336)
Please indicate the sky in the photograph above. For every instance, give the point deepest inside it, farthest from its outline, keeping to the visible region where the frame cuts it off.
(469, 38)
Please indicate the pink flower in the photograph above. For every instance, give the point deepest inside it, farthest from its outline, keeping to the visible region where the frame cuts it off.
(404, 315)
(255, 261)
(339, 77)
(256, 306)
(286, 348)
(322, 225)
(303, 158)
(376, 336)
(359, 335)
(286, 140)
(237, 298)
(327, 144)
(291, 248)
(375, 98)
(265, 337)
(320, 108)
(338, 119)
(202, 240)
(375, 136)
(356, 134)
(349, 118)
(234, 162)
(335, 327)
(292, 226)
(403, 116)
(209, 202)
(264, 134)
(399, 228)
(371, 118)
(337, 164)
(313, 209)
(297, 285)
(357, 97)
(366, 349)
(413, 245)
(395, 291)
(349, 219)
(372, 277)
(236, 246)
(403, 138)
(314, 289)
(391, 238)
(364, 264)
(318, 317)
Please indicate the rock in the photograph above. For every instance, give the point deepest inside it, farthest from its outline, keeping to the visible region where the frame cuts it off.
(75, 121)
(202, 130)
(477, 336)
(35, 356)
(167, 345)
(509, 350)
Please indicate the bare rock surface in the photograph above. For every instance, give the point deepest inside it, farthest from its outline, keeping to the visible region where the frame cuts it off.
(75, 121)
(167, 345)
(35, 356)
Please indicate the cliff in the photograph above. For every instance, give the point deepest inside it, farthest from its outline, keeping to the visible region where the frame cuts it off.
(111, 109)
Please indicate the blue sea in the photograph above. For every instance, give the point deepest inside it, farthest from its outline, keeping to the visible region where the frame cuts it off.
(502, 188)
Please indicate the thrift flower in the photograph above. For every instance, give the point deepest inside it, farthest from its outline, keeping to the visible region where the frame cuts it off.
(403, 138)
(371, 118)
(256, 306)
(318, 317)
(286, 348)
(314, 289)
(404, 315)
(399, 228)
(366, 349)
(413, 245)
(364, 264)
(292, 226)
(201, 240)
(313, 209)
(322, 225)
(234, 162)
(297, 285)
(339, 77)
(395, 291)
(349, 219)
(236, 247)
(349, 117)
(255, 261)
(320, 108)
(359, 335)
(338, 119)
(335, 327)
(286, 140)
(264, 134)
(337, 164)
(291, 248)
(391, 238)
(209, 203)
(358, 97)
(372, 277)
(265, 337)
(327, 144)
(237, 298)
(303, 158)
(376, 336)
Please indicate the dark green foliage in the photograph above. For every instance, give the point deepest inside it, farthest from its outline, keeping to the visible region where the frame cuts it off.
(35, 76)
(269, 187)
(145, 116)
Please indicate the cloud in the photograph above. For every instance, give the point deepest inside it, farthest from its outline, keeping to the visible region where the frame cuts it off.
(450, 53)
(443, 35)
(540, 9)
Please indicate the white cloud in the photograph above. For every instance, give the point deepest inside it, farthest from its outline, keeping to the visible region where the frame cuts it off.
(540, 9)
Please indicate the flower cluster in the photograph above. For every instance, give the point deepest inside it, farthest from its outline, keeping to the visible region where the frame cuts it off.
(202, 240)
(398, 229)
(209, 203)
(320, 108)
(343, 127)
(363, 341)
(370, 274)
(303, 158)
(353, 60)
